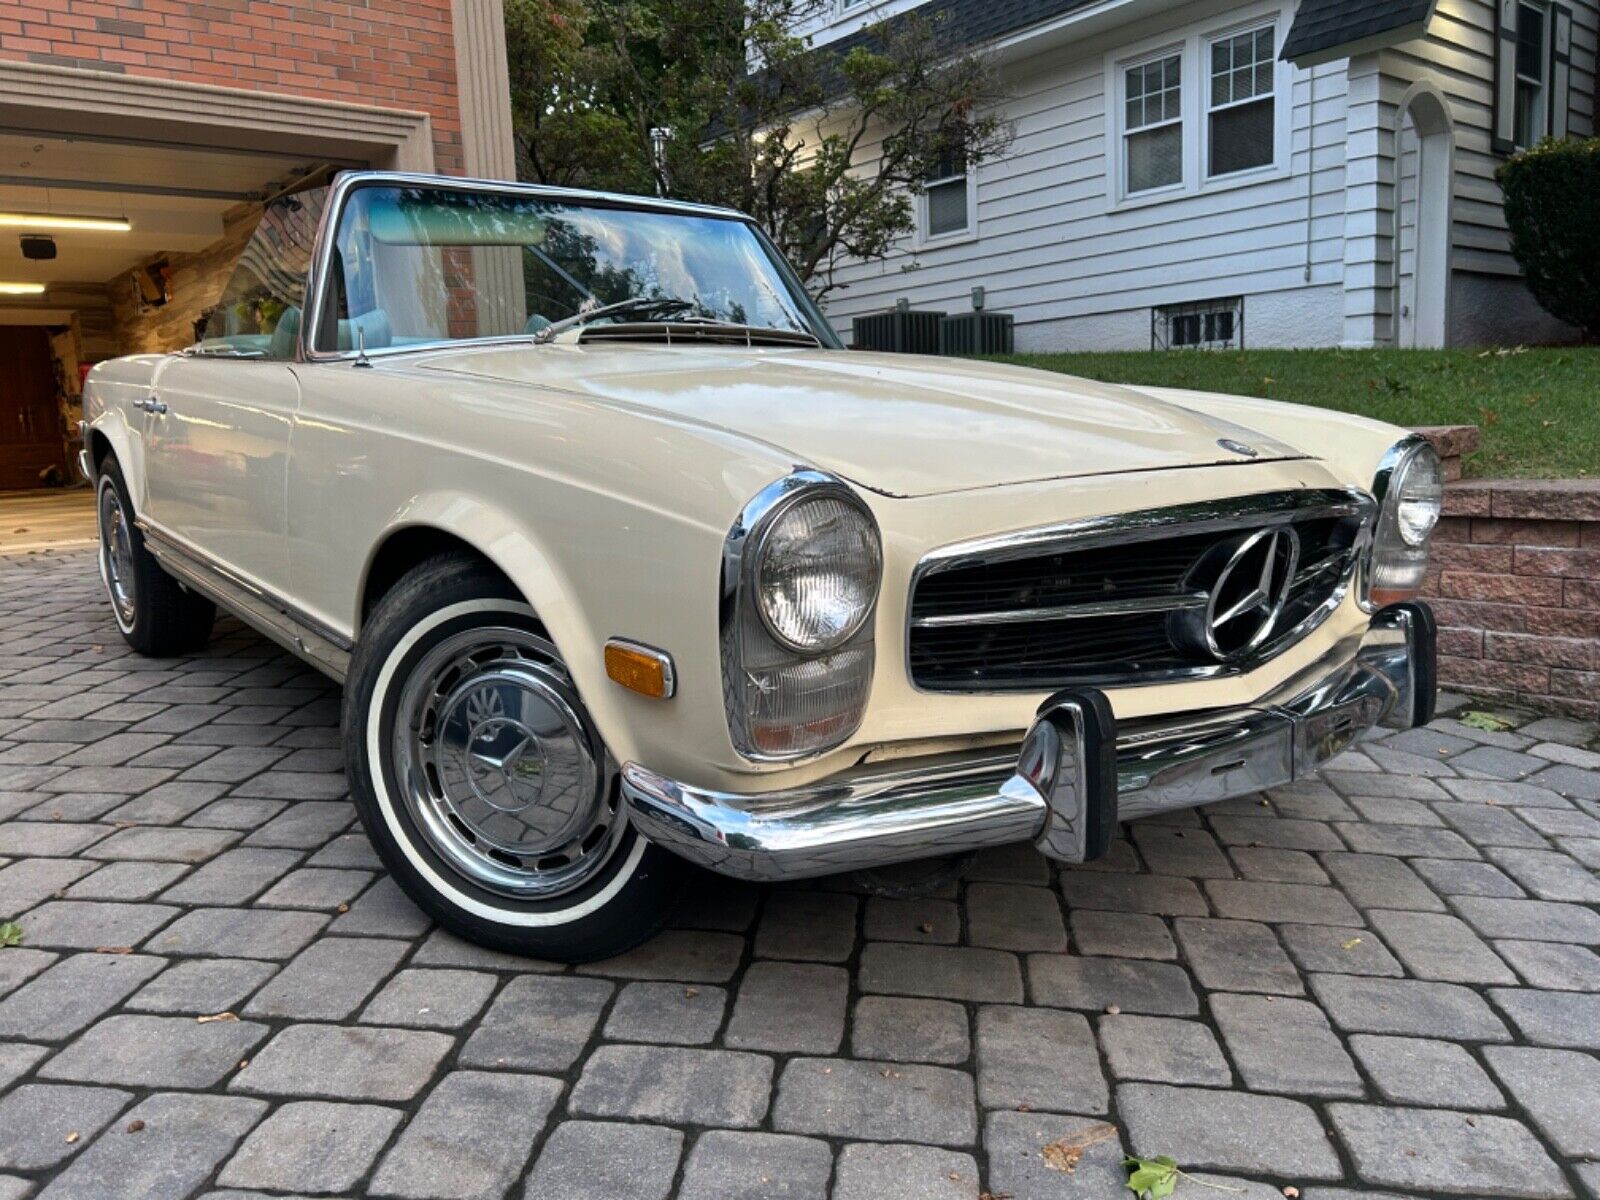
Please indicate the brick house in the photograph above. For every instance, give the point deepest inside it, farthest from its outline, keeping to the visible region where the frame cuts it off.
(139, 138)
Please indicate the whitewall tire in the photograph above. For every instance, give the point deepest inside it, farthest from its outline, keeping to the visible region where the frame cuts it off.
(482, 781)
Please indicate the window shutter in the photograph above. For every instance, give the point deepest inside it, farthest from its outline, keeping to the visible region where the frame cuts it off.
(1505, 77)
(1560, 70)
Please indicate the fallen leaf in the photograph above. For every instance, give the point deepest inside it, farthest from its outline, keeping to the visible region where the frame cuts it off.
(135, 1125)
(1065, 1153)
(1351, 944)
(10, 934)
(1151, 1178)
(113, 949)
(1487, 722)
(221, 1016)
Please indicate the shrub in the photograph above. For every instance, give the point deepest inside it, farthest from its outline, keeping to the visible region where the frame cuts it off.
(1553, 207)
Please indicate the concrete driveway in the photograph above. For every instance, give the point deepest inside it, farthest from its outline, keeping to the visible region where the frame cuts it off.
(1385, 982)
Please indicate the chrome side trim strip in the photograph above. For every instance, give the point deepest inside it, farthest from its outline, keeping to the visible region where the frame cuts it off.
(1067, 612)
(289, 626)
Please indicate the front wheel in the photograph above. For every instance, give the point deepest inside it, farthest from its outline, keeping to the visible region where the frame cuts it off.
(156, 614)
(482, 781)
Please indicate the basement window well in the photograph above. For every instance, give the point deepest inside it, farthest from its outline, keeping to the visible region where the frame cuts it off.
(1203, 325)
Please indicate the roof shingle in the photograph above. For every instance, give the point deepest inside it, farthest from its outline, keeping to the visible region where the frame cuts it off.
(1322, 27)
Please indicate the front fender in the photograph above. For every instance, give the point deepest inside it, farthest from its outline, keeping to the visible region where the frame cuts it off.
(646, 578)
(110, 398)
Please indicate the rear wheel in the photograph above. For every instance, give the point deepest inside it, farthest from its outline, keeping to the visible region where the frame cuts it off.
(483, 782)
(155, 613)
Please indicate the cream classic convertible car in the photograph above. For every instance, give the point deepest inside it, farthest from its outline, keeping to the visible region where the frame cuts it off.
(625, 561)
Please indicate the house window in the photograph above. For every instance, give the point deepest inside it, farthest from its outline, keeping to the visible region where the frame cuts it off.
(1206, 325)
(1533, 59)
(947, 208)
(1153, 134)
(1242, 124)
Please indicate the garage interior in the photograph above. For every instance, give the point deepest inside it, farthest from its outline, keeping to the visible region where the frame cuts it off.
(108, 246)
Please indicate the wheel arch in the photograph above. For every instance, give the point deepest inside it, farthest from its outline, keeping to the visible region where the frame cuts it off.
(110, 437)
(440, 525)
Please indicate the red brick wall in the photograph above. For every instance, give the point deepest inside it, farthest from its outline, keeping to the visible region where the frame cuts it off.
(386, 53)
(1515, 583)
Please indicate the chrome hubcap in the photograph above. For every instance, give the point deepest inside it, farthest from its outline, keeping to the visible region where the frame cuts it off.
(116, 553)
(498, 769)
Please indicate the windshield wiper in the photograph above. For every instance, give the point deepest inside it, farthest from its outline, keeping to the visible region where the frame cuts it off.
(637, 304)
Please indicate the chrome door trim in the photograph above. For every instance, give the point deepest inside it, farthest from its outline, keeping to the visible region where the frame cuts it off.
(287, 624)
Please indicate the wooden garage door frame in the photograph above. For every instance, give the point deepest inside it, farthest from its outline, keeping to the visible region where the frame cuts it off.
(65, 100)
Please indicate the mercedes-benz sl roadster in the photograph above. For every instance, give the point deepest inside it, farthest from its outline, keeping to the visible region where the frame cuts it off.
(626, 563)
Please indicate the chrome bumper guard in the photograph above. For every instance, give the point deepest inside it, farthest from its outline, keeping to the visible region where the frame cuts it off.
(1076, 776)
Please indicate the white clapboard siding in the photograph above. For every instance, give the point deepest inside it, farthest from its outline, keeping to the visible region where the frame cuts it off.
(1051, 246)
(1457, 56)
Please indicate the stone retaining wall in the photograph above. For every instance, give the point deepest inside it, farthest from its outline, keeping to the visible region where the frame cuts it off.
(1515, 583)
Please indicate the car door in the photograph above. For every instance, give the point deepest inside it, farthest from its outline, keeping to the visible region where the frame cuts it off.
(216, 437)
(218, 418)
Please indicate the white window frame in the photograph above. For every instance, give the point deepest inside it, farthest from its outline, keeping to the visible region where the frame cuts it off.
(1542, 108)
(1125, 131)
(928, 240)
(1209, 109)
(1195, 41)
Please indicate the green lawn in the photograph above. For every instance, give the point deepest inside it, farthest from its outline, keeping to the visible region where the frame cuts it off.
(1539, 410)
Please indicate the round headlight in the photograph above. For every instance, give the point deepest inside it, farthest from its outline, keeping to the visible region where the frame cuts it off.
(1419, 493)
(1411, 486)
(817, 573)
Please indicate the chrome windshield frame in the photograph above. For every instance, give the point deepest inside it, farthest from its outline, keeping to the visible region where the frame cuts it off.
(320, 278)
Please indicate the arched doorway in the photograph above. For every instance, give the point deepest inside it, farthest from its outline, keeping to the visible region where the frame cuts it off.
(1424, 190)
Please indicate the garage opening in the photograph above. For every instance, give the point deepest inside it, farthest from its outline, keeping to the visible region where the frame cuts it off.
(107, 247)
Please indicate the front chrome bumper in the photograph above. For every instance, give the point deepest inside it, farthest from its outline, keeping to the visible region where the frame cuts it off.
(1075, 776)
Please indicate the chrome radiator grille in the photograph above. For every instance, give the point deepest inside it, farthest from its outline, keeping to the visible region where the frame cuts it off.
(1190, 592)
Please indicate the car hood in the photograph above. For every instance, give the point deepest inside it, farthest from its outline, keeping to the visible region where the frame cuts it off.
(898, 425)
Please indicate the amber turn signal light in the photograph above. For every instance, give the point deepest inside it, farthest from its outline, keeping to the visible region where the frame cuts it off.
(641, 669)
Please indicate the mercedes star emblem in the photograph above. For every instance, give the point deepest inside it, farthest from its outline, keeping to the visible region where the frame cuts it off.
(1246, 583)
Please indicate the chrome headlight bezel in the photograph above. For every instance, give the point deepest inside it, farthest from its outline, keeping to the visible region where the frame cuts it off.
(1404, 468)
(758, 558)
(754, 642)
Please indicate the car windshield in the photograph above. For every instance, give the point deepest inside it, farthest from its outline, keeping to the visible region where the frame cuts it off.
(417, 265)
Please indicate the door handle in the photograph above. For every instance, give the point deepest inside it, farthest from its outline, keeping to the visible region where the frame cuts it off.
(152, 405)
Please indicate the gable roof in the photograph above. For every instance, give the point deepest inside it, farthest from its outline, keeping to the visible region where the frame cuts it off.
(1327, 29)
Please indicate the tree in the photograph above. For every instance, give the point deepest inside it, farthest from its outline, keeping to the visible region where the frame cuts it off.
(566, 132)
(826, 149)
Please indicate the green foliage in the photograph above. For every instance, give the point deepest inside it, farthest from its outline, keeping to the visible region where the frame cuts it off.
(826, 151)
(1536, 408)
(10, 933)
(1551, 205)
(1151, 1178)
